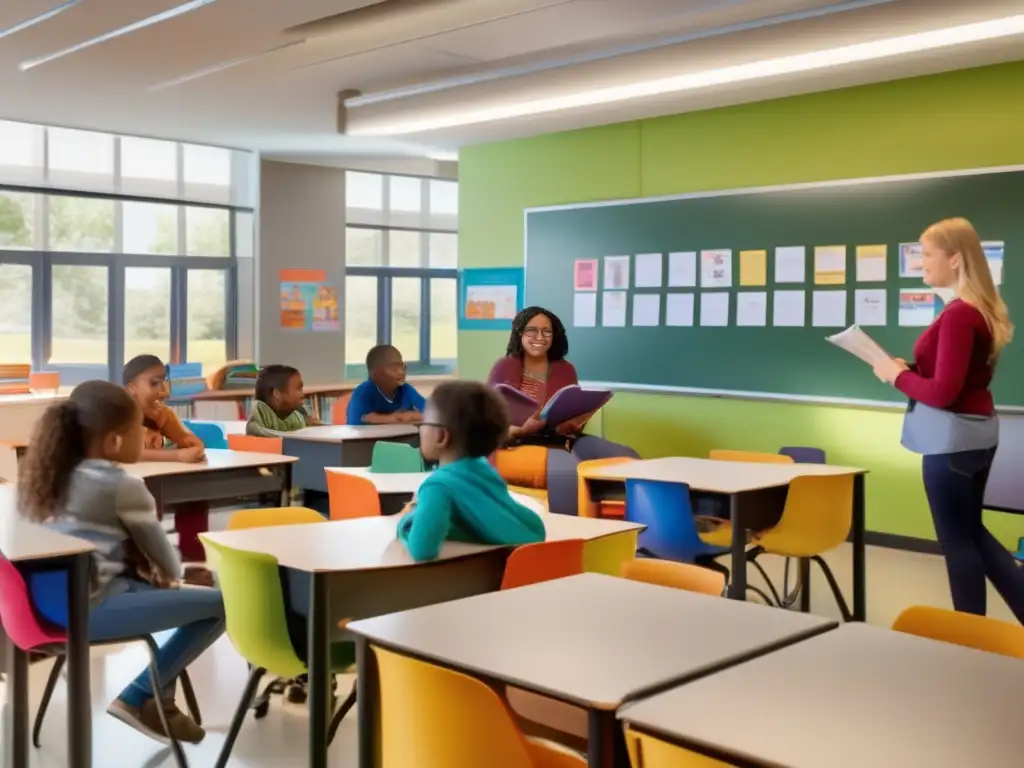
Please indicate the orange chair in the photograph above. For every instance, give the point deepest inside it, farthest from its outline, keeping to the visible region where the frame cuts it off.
(666, 573)
(757, 457)
(339, 411)
(44, 382)
(351, 496)
(980, 632)
(255, 444)
(544, 561)
(589, 508)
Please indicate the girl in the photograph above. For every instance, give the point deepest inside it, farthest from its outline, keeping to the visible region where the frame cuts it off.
(465, 499)
(70, 480)
(279, 403)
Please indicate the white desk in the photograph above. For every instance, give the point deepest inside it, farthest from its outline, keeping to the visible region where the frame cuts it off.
(228, 427)
(339, 446)
(860, 696)
(19, 414)
(343, 433)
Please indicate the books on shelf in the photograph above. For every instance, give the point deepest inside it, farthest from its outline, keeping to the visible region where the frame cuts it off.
(568, 403)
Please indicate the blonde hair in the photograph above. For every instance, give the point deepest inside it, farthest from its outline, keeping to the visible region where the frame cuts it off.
(975, 284)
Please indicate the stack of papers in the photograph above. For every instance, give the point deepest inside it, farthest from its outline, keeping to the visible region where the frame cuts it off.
(859, 344)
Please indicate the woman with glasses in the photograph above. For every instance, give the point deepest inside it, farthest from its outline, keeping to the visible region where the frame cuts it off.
(536, 456)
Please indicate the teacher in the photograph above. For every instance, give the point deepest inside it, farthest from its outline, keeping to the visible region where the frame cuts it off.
(951, 418)
(535, 364)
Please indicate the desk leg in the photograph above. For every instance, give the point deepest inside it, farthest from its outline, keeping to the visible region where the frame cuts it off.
(15, 736)
(286, 491)
(367, 703)
(860, 588)
(738, 579)
(319, 668)
(606, 742)
(79, 695)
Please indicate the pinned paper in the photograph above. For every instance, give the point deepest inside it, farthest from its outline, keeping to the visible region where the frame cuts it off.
(829, 309)
(715, 269)
(648, 270)
(751, 308)
(753, 267)
(918, 308)
(682, 269)
(613, 309)
(646, 309)
(994, 251)
(911, 260)
(789, 309)
(830, 265)
(714, 309)
(679, 309)
(584, 310)
(791, 264)
(616, 273)
(585, 275)
(869, 306)
(871, 263)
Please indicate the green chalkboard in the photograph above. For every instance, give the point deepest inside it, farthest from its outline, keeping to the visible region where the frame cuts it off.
(773, 360)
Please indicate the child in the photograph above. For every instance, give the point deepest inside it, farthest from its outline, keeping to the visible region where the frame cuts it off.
(386, 397)
(145, 379)
(70, 479)
(465, 499)
(279, 403)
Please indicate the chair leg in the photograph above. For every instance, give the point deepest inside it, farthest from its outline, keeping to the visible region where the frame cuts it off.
(51, 683)
(191, 703)
(255, 674)
(154, 679)
(343, 710)
(776, 600)
(760, 593)
(834, 586)
(714, 565)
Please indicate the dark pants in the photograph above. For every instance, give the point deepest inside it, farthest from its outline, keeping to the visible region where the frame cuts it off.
(955, 485)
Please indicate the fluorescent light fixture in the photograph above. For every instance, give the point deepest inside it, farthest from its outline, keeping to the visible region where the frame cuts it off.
(443, 156)
(44, 16)
(758, 70)
(212, 70)
(149, 21)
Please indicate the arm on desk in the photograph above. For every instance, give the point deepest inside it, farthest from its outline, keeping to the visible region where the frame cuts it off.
(425, 528)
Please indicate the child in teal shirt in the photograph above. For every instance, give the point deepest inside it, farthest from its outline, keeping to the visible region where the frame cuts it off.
(465, 499)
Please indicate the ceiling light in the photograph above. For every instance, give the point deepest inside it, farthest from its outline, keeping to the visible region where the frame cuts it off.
(44, 16)
(199, 73)
(833, 57)
(149, 21)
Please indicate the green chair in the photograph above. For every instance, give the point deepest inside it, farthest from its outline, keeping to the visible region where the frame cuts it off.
(395, 457)
(257, 627)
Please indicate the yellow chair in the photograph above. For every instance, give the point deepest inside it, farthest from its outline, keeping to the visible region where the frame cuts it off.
(649, 752)
(666, 573)
(587, 507)
(721, 536)
(965, 629)
(431, 717)
(263, 518)
(540, 494)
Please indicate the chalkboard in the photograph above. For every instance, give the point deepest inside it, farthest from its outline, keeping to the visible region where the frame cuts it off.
(777, 361)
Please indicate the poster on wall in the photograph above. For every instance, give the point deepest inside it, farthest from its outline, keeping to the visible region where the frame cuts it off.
(308, 301)
(489, 298)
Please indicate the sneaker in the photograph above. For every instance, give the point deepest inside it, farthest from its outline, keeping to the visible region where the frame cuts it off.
(146, 719)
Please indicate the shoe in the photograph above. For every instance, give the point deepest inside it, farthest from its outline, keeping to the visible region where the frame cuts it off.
(297, 690)
(146, 719)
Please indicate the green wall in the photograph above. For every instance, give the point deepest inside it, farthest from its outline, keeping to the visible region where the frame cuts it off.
(966, 119)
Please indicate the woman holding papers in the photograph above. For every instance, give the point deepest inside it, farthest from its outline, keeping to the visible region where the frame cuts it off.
(542, 455)
(951, 418)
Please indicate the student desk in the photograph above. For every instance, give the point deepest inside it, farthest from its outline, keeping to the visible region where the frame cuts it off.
(554, 638)
(859, 696)
(35, 547)
(339, 446)
(19, 414)
(749, 487)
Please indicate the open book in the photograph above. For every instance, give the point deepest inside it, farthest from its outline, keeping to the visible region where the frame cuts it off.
(566, 404)
(859, 344)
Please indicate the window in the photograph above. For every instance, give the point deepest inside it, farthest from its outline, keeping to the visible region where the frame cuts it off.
(444, 250)
(207, 173)
(17, 220)
(364, 190)
(149, 167)
(363, 247)
(443, 321)
(79, 314)
(207, 317)
(21, 153)
(404, 249)
(406, 194)
(81, 224)
(360, 318)
(405, 316)
(149, 228)
(444, 197)
(80, 159)
(147, 312)
(207, 232)
(15, 313)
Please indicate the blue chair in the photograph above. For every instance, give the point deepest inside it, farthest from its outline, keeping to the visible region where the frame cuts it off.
(211, 434)
(804, 455)
(1019, 554)
(671, 532)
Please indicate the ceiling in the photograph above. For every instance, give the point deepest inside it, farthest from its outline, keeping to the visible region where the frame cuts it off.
(265, 74)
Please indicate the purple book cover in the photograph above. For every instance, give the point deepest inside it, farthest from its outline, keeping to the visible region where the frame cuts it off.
(572, 402)
(520, 406)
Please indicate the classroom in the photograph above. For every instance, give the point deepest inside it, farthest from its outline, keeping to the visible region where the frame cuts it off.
(526, 383)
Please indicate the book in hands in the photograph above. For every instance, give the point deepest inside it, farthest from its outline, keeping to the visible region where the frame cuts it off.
(567, 404)
(520, 405)
(860, 345)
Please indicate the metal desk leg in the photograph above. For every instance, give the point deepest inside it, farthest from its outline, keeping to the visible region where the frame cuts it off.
(860, 588)
(738, 578)
(606, 742)
(14, 743)
(79, 696)
(286, 491)
(319, 668)
(367, 703)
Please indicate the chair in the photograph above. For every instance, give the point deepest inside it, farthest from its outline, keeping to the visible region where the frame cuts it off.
(1019, 554)
(647, 751)
(351, 496)
(804, 455)
(257, 626)
(28, 633)
(544, 561)
(431, 717)
(211, 434)
(965, 629)
(585, 506)
(719, 454)
(44, 382)
(665, 573)
(395, 457)
(339, 411)
(264, 518)
(255, 444)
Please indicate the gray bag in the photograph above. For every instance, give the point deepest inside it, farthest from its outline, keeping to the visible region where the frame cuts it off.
(929, 431)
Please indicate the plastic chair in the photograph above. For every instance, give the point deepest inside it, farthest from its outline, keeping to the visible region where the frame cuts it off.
(28, 633)
(586, 506)
(1019, 554)
(44, 382)
(255, 444)
(431, 717)
(264, 518)
(965, 629)
(647, 751)
(665, 573)
(719, 454)
(257, 626)
(339, 411)
(544, 561)
(211, 434)
(395, 457)
(804, 455)
(351, 496)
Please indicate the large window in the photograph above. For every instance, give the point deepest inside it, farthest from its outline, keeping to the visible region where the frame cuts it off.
(401, 256)
(114, 246)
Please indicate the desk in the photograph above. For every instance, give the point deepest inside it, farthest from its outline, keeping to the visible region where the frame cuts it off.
(542, 638)
(339, 446)
(746, 485)
(859, 696)
(19, 414)
(32, 546)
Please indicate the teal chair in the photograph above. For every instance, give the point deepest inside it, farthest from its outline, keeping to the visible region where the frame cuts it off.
(257, 627)
(211, 434)
(395, 457)
(1019, 554)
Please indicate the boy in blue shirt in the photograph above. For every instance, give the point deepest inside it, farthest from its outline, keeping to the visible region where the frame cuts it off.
(385, 398)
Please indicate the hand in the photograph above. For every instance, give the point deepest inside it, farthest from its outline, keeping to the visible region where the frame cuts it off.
(887, 370)
(533, 425)
(408, 417)
(193, 455)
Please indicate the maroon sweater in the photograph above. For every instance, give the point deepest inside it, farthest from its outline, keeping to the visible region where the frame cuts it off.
(952, 367)
(509, 370)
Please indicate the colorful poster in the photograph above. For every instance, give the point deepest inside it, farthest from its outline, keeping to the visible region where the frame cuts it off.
(918, 307)
(585, 275)
(308, 301)
(489, 298)
(994, 251)
(830, 265)
(753, 268)
(911, 262)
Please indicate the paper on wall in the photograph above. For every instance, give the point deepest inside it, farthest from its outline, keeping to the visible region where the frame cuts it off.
(871, 263)
(613, 309)
(828, 308)
(859, 344)
(791, 264)
(715, 269)
(789, 309)
(682, 269)
(830, 265)
(646, 309)
(869, 306)
(616, 273)
(751, 308)
(679, 309)
(648, 270)
(714, 309)
(584, 310)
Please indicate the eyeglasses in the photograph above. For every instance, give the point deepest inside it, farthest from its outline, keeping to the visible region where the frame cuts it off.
(423, 424)
(544, 333)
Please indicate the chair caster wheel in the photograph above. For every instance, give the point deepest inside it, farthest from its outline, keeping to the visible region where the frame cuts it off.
(260, 710)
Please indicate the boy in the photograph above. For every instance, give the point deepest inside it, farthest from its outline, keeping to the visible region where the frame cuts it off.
(385, 398)
(279, 405)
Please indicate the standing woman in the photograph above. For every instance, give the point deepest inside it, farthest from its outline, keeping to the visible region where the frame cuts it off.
(535, 364)
(951, 418)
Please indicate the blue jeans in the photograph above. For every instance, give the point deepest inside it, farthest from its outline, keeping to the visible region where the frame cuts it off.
(955, 486)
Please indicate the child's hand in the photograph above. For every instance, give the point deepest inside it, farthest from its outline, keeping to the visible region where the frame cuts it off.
(193, 455)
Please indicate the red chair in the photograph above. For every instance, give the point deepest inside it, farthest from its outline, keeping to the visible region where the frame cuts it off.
(339, 411)
(544, 561)
(255, 444)
(351, 496)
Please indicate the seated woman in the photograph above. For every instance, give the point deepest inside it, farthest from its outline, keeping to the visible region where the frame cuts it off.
(536, 456)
